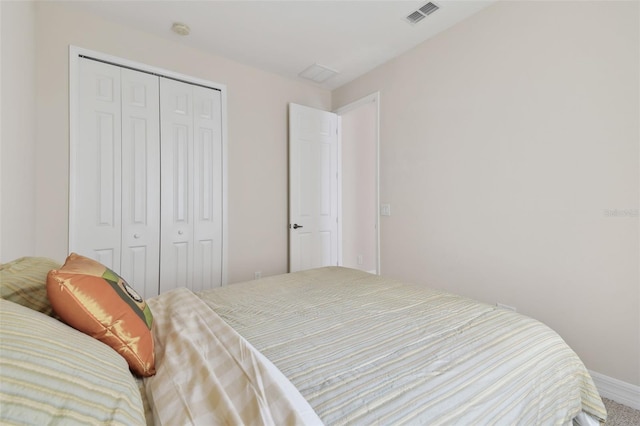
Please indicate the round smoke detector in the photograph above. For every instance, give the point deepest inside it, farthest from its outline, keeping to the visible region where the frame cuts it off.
(180, 28)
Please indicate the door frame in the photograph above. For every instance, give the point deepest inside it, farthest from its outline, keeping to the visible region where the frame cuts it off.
(375, 98)
(75, 53)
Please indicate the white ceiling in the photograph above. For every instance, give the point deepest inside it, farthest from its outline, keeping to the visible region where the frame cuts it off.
(286, 37)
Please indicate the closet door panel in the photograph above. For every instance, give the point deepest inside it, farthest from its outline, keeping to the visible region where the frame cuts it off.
(180, 273)
(140, 181)
(207, 233)
(95, 199)
(176, 117)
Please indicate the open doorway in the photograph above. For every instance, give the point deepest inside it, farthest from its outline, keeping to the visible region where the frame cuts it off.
(358, 189)
(334, 186)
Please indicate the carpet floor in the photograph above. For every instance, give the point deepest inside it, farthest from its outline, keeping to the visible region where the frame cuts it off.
(621, 415)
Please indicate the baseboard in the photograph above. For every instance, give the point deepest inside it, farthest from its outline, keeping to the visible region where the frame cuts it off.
(617, 390)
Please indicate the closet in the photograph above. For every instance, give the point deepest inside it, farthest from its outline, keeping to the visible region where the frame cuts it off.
(146, 183)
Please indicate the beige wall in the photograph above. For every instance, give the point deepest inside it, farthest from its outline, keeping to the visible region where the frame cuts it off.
(506, 142)
(18, 135)
(257, 118)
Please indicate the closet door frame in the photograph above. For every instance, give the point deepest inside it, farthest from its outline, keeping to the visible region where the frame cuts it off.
(75, 53)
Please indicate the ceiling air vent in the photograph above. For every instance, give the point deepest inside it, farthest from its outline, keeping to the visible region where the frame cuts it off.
(422, 13)
(415, 17)
(318, 73)
(428, 8)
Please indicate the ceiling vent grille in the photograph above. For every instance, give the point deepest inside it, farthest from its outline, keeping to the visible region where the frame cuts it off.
(422, 13)
(415, 17)
(428, 8)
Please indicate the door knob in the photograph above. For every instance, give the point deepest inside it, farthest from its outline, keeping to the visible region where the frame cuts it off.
(136, 236)
(296, 226)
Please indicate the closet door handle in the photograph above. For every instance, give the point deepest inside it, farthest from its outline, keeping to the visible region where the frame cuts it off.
(296, 226)
(136, 236)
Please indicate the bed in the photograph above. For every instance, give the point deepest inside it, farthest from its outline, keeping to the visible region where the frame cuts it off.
(340, 346)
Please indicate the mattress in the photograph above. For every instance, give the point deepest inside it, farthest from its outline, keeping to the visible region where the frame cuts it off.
(364, 349)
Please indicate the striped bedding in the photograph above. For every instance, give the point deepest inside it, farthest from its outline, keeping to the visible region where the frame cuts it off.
(363, 349)
(207, 374)
(53, 374)
(22, 282)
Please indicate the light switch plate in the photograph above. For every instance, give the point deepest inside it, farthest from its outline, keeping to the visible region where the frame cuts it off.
(385, 210)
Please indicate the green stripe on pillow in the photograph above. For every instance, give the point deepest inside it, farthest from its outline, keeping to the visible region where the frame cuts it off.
(52, 373)
(23, 281)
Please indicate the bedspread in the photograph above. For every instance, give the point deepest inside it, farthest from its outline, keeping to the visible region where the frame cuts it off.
(363, 349)
(207, 374)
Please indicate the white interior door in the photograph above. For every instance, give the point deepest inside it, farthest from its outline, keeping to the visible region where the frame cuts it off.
(313, 188)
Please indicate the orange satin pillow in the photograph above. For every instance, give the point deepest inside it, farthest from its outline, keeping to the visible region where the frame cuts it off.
(95, 300)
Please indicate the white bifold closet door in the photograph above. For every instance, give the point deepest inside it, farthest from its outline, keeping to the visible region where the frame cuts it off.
(95, 185)
(116, 201)
(140, 181)
(191, 171)
(146, 181)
